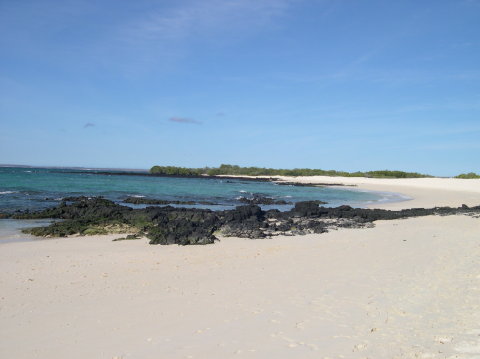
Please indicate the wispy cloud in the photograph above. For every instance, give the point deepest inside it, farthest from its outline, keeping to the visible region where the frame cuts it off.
(200, 17)
(88, 124)
(163, 37)
(184, 120)
(150, 36)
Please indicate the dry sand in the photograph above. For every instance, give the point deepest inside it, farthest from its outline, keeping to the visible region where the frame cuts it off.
(418, 192)
(422, 192)
(404, 289)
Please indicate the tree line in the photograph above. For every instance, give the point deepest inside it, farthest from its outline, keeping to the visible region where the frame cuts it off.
(233, 170)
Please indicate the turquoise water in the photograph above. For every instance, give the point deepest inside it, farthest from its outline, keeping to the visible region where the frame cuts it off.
(10, 229)
(36, 188)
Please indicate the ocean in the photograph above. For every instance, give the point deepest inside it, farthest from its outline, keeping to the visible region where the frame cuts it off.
(38, 188)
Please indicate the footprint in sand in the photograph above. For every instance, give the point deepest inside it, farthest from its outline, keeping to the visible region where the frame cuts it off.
(360, 347)
(300, 325)
(442, 339)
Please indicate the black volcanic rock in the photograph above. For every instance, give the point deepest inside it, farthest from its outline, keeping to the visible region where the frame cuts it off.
(183, 227)
(244, 222)
(187, 226)
(153, 201)
(307, 208)
(261, 199)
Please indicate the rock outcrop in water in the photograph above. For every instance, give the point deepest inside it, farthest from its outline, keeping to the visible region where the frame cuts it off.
(184, 226)
(155, 201)
(257, 198)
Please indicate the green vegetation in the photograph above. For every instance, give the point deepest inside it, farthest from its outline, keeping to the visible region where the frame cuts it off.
(233, 170)
(469, 175)
(82, 227)
(176, 171)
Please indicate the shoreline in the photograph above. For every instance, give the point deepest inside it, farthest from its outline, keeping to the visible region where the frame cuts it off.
(434, 194)
(424, 192)
(414, 190)
(389, 199)
(396, 193)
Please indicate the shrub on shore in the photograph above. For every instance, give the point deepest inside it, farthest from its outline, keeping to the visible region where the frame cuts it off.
(469, 175)
(233, 170)
(175, 171)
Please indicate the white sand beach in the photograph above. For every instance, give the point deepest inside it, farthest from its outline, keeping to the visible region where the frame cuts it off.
(403, 289)
(419, 192)
(422, 192)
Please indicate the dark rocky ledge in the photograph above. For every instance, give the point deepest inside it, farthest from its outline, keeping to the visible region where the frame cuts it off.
(169, 225)
(257, 198)
(153, 201)
(221, 177)
(148, 174)
(298, 184)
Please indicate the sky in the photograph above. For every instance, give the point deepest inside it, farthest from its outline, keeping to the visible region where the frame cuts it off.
(331, 84)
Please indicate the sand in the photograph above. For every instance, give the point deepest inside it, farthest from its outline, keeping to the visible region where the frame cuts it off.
(421, 192)
(403, 289)
(417, 192)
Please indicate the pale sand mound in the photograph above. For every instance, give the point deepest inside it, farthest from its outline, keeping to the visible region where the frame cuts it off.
(405, 289)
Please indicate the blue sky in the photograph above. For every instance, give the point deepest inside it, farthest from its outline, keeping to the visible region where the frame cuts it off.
(331, 84)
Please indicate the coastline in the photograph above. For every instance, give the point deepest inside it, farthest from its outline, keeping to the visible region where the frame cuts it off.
(403, 289)
(423, 192)
(416, 192)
